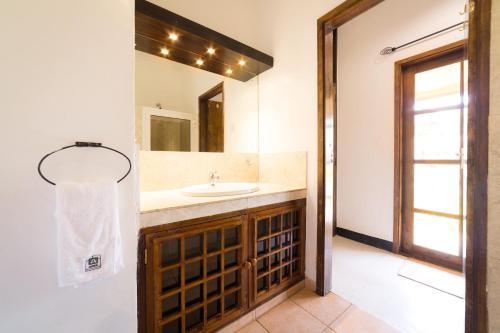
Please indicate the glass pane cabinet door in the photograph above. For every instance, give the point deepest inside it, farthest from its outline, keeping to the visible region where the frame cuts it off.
(197, 277)
(277, 237)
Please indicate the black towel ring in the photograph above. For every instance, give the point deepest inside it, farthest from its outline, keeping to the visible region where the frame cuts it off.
(83, 144)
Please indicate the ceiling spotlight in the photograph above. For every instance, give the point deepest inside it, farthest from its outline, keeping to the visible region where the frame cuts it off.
(229, 71)
(173, 36)
(164, 51)
(242, 62)
(199, 62)
(211, 50)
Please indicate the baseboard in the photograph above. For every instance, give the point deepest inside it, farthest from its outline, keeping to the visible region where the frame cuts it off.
(310, 284)
(365, 239)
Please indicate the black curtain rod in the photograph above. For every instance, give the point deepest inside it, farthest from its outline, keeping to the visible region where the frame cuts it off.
(389, 50)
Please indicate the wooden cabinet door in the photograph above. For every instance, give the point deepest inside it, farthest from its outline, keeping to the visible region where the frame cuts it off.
(196, 276)
(276, 250)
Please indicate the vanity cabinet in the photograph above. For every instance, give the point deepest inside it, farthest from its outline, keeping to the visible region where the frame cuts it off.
(198, 275)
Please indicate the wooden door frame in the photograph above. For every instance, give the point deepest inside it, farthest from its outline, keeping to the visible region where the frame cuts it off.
(202, 114)
(399, 125)
(478, 49)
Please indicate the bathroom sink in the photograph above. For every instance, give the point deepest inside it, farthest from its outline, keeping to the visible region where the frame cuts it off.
(219, 189)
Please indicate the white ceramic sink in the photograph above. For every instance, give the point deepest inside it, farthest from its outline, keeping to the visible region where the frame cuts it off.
(219, 189)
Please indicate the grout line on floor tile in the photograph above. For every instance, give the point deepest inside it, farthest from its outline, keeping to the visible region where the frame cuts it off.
(261, 324)
(306, 310)
(258, 322)
(340, 315)
(327, 325)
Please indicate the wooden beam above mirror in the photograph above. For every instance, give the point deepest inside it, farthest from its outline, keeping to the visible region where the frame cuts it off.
(163, 33)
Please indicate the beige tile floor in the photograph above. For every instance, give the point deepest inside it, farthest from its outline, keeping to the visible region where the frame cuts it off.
(367, 296)
(305, 312)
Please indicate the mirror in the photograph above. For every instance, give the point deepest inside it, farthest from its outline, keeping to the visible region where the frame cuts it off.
(184, 108)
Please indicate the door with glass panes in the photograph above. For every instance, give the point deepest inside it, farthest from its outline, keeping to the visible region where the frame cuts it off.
(434, 158)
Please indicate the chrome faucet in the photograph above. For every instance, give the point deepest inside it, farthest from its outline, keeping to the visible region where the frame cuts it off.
(214, 177)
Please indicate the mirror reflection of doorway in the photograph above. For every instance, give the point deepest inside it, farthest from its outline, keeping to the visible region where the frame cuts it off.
(211, 118)
(166, 130)
(170, 134)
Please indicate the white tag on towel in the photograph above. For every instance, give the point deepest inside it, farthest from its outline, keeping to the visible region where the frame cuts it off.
(93, 262)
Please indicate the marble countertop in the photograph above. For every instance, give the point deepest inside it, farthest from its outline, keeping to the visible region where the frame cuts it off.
(167, 206)
(170, 199)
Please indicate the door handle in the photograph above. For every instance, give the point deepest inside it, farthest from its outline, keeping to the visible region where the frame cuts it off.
(247, 265)
(250, 263)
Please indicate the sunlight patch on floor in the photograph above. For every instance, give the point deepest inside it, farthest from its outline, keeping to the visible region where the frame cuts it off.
(368, 278)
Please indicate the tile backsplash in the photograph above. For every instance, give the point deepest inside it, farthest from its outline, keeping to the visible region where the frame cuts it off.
(283, 168)
(171, 170)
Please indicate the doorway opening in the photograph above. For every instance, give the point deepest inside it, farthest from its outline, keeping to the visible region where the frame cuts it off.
(211, 119)
(475, 186)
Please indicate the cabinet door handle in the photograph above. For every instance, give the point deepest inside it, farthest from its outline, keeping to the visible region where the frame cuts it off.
(254, 262)
(247, 265)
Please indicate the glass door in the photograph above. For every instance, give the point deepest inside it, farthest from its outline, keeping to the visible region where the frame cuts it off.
(434, 153)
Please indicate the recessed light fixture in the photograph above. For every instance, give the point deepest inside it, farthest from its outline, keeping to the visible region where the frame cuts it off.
(229, 71)
(242, 62)
(211, 50)
(164, 51)
(199, 62)
(173, 36)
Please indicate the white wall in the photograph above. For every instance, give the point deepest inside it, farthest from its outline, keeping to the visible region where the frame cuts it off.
(177, 87)
(67, 74)
(366, 104)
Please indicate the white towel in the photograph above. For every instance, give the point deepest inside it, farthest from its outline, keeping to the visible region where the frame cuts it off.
(88, 232)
